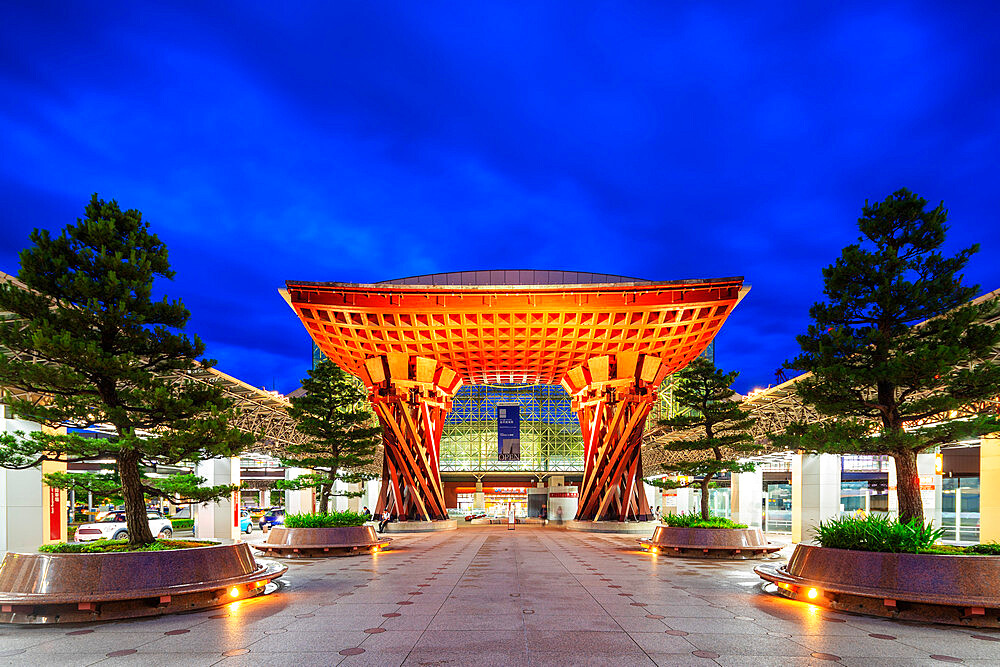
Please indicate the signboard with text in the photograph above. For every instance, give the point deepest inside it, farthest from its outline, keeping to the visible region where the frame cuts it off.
(509, 432)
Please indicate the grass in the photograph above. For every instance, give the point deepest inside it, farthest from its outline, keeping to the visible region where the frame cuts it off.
(330, 520)
(117, 546)
(694, 520)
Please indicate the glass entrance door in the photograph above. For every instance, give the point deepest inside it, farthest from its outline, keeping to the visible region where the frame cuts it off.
(960, 509)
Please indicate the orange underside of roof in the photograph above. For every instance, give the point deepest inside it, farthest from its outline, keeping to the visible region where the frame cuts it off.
(532, 334)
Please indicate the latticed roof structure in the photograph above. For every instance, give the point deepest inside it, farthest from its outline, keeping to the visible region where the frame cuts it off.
(777, 407)
(531, 333)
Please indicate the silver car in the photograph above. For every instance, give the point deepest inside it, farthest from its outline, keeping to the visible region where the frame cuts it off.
(112, 527)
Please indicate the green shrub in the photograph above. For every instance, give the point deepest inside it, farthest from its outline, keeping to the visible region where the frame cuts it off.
(988, 549)
(331, 520)
(877, 532)
(694, 520)
(182, 524)
(111, 546)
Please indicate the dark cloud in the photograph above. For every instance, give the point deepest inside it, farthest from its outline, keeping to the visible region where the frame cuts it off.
(359, 142)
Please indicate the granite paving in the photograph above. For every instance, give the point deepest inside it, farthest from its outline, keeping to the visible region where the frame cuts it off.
(486, 595)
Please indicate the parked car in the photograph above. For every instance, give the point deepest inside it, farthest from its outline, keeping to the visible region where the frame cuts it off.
(112, 527)
(272, 518)
(246, 522)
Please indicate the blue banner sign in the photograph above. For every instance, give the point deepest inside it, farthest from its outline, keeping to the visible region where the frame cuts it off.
(509, 432)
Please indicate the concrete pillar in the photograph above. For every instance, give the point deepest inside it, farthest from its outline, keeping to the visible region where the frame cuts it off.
(930, 486)
(747, 496)
(219, 520)
(668, 502)
(563, 503)
(815, 492)
(299, 502)
(354, 503)
(652, 496)
(685, 499)
(372, 488)
(479, 498)
(989, 488)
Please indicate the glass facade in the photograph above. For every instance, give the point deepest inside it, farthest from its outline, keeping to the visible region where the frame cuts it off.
(778, 511)
(550, 435)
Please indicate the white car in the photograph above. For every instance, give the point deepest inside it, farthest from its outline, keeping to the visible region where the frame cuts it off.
(112, 527)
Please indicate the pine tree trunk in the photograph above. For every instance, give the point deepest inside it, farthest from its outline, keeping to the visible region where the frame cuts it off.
(136, 521)
(911, 505)
(324, 498)
(704, 497)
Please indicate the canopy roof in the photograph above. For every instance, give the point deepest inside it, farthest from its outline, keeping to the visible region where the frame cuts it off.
(527, 333)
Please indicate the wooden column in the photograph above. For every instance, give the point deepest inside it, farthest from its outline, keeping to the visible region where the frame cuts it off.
(411, 396)
(612, 396)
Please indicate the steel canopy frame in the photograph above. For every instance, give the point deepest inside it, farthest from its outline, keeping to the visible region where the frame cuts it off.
(777, 407)
(609, 344)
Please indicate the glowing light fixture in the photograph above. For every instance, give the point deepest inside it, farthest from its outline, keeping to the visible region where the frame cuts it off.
(235, 592)
(812, 594)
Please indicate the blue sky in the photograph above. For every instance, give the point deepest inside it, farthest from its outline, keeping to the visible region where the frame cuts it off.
(359, 142)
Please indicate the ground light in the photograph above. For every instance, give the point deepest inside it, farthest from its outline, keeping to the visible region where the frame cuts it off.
(812, 594)
(235, 592)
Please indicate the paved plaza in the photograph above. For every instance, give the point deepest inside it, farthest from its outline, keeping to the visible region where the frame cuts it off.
(491, 596)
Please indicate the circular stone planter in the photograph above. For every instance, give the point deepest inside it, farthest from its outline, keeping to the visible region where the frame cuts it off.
(730, 543)
(421, 526)
(70, 588)
(959, 589)
(622, 527)
(313, 542)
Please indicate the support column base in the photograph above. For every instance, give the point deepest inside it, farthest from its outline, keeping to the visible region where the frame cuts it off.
(621, 527)
(421, 526)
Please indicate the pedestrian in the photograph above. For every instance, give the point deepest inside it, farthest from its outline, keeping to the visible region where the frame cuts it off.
(367, 513)
(385, 520)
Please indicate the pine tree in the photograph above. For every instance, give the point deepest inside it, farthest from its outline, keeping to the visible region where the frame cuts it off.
(342, 433)
(898, 345)
(714, 409)
(86, 344)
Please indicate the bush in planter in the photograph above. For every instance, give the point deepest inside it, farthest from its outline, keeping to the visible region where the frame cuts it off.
(695, 520)
(325, 520)
(182, 524)
(877, 532)
(989, 549)
(111, 546)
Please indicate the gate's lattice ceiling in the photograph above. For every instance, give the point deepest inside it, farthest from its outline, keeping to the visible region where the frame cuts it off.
(514, 333)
